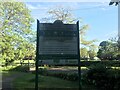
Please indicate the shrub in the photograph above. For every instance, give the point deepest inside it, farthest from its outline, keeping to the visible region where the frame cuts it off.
(102, 77)
(63, 75)
(20, 68)
(42, 71)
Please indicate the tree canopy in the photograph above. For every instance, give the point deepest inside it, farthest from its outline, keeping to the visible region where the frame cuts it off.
(15, 31)
(65, 15)
(109, 50)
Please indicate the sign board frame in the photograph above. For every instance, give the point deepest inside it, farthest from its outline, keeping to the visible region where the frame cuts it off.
(57, 41)
(58, 56)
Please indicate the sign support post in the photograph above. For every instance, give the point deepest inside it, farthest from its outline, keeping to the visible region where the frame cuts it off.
(37, 58)
(79, 66)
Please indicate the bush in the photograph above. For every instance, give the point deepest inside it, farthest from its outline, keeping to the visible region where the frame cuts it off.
(63, 75)
(102, 77)
(20, 68)
(42, 71)
(105, 62)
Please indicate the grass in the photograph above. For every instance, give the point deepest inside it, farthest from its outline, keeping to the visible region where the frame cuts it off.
(28, 80)
(10, 73)
(14, 64)
(8, 67)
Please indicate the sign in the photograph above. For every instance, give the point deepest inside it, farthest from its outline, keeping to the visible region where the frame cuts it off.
(57, 40)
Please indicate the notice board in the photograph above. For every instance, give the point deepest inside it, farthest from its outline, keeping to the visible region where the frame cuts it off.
(57, 40)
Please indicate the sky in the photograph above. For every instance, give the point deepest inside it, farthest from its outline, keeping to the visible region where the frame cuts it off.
(101, 18)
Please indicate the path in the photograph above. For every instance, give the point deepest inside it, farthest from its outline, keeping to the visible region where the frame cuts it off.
(7, 81)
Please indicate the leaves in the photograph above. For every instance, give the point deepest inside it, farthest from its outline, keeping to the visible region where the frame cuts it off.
(84, 54)
(66, 15)
(108, 50)
(60, 13)
(15, 30)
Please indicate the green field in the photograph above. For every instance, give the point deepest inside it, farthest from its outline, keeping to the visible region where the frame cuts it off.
(27, 81)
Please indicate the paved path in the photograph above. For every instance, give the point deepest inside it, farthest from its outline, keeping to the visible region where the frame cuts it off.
(7, 81)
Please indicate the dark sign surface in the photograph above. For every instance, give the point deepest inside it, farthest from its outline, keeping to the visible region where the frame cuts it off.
(57, 40)
(58, 43)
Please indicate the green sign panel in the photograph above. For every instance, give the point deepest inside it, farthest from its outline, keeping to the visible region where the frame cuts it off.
(57, 40)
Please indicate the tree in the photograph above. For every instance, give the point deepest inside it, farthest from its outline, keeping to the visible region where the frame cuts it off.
(84, 54)
(60, 13)
(66, 16)
(103, 50)
(108, 50)
(15, 30)
(116, 45)
(92, 54)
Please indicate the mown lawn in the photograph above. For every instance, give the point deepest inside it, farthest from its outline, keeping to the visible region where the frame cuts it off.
(28, 81)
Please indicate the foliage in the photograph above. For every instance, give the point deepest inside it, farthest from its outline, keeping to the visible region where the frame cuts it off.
(15, 32)
(64, 75)
(102, 77)
(20, 69)
(84, 54)
(59, 13)
(92, 54)
(108, 50)
(107, 63)
(65, 15)
(27, 81)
